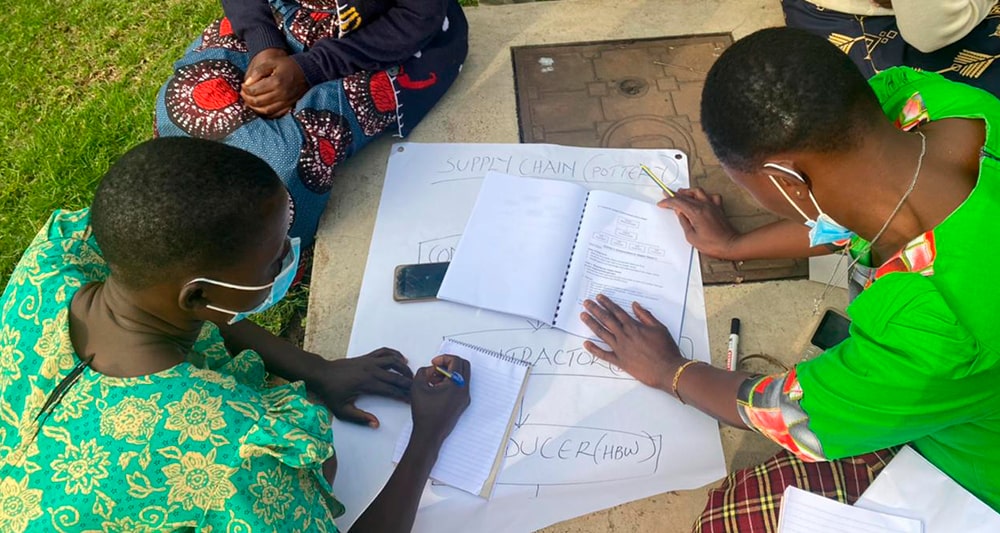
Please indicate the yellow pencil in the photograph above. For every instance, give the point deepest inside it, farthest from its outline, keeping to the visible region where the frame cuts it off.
(657, 180)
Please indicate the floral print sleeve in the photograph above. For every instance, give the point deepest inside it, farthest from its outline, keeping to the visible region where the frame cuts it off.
(274, 497)
(209, 444)
(770, 406)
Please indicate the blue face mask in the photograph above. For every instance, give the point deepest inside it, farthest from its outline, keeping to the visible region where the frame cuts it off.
(823, 230)
(279, 287)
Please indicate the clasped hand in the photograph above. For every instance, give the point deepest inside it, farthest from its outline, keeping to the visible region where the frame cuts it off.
(274, 83)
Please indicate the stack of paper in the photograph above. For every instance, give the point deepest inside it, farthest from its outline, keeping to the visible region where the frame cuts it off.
(805, 512)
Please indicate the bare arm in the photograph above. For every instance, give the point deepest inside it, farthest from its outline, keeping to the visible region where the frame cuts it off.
(395, 508)
(707, 229)
(437, 405)
(339, 382)
(281, 357)
(783, 239)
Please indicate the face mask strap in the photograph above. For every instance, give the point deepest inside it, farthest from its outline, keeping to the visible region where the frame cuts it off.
(288, 269)
(231, 285)
(226, 311)
(783, 193)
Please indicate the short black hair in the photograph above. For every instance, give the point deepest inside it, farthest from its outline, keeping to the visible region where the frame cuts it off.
(176, 205)
(784, 89)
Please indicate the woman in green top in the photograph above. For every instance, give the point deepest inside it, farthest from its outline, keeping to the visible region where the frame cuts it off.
(123, 408)
(908, 165)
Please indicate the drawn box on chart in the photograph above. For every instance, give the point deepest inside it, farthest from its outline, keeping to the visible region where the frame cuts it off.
(437, 250)
(549, 454)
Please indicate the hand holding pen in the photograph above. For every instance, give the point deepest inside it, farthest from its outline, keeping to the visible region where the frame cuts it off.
(452, 375)
(657, 180)
(437, 400)
(701, 217)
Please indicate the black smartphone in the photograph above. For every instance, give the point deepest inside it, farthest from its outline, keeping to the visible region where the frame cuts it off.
(832, 329)
(414, 283)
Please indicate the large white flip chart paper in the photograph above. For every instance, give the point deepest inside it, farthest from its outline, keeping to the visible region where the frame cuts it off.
(587, 435)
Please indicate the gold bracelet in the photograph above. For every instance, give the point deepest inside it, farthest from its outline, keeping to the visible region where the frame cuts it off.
(677, 377)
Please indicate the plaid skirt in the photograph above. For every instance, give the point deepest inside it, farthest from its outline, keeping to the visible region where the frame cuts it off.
(330, 123)
(749, 500)
(875, 44)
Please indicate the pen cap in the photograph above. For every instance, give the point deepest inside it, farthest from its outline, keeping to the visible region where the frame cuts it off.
(734, 327)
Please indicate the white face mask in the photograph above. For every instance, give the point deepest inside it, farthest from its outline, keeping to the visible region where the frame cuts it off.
(823, 230)
(279, 287)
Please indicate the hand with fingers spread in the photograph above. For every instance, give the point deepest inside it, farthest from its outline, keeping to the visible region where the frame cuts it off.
(383, 372)
(436, 401)
(705, 224)
(273, 84)
(643, 347)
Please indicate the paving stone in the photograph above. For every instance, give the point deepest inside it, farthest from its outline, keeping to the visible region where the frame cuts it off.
(639, 93)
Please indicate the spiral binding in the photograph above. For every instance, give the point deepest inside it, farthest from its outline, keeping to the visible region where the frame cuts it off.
(491, 353)
(572, 252)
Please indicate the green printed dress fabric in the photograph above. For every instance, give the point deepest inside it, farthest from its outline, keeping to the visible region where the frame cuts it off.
(922, 362)
(206, 445)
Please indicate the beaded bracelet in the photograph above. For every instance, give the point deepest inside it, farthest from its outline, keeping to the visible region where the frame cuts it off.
(677, 377)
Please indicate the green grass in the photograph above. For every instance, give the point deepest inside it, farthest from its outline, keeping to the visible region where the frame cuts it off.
(78, 82)
(77, 85)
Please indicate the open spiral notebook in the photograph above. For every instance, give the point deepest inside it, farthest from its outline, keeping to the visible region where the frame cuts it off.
(539, 248)
(473, 454)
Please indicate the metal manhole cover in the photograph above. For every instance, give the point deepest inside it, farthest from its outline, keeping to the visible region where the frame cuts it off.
(638, 94)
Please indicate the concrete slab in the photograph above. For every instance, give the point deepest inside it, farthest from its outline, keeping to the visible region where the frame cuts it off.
(777, 316)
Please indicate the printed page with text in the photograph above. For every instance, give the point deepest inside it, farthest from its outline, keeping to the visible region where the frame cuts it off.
(630, 251)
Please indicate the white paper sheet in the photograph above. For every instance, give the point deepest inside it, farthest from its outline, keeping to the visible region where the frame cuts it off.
(912, 486)
(467, 456)
(805, 512)
(588, 437)
(516, 247)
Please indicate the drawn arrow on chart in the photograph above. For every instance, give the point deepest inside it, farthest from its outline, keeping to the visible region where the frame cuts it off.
(537, 324)
(522, 417)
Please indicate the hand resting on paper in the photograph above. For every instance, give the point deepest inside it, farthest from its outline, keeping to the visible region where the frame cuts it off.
(643, 348)
(436, 403)
(382, 372)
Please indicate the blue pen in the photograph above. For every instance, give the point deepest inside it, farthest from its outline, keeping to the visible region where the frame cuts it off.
(454, 376)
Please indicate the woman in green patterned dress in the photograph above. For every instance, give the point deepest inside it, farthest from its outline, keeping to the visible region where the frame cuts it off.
(133, 395)
(909, 163)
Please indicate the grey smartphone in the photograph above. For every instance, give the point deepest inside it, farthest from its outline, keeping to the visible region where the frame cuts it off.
(832, 329)
(414, 283)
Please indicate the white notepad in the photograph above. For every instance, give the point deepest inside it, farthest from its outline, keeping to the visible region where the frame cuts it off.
(805, 512)
(472, 455)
